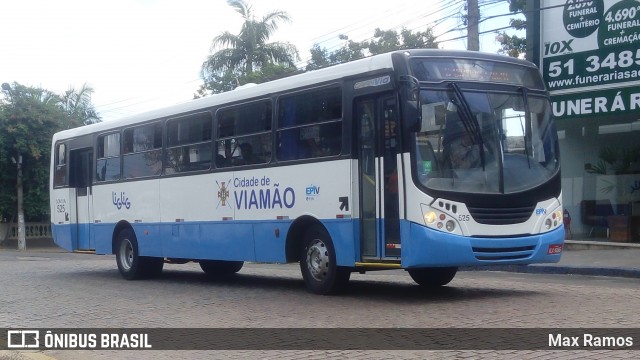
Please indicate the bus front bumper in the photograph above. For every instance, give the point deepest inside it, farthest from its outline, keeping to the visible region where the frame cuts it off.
(424, 247)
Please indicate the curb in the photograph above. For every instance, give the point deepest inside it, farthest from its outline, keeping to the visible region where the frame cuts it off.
(563, 270)
(598, 245)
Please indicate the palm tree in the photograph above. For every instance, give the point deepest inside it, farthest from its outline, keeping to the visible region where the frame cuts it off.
(242, 53)
(77, 103)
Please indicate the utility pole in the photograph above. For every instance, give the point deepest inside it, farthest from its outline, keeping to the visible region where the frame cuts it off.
(22, 243)
(473, 17)
(532, 15)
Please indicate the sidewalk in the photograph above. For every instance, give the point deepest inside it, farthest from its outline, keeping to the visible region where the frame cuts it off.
(580, 257)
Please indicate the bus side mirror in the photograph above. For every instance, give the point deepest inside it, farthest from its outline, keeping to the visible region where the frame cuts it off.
(411, 109)
(412, 116)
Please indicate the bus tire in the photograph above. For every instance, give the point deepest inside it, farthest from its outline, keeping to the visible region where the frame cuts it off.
(318, 264)
(220, 267)
(433, 277)
(131, 265)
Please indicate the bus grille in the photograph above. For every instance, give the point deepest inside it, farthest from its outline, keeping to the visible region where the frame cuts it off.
(501, 216)
(512, 253)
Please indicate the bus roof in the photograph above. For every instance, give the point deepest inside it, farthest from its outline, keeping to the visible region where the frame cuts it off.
(369, 64)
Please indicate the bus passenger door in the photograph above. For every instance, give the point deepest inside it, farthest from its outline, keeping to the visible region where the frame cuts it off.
(80, 180)
(376, 119)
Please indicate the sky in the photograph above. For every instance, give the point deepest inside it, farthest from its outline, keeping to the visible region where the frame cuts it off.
(139, 55)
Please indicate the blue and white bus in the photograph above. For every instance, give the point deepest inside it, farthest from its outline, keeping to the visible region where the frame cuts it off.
(423, 160)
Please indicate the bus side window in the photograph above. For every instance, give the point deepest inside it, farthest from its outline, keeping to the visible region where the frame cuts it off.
(143, 151)
(189, 145)
(60, 175)
(310, 124)
(244, 134)
(108, 158)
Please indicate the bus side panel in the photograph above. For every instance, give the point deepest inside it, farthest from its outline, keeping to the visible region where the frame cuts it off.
(65, 234)
(149, 239)
(203, 240)
(424, 247)
(270, 239)
(225, 241)
(342, 235)
(180, 240)
(103, 233)
(270, 247)
(134, 202)
(275, 197)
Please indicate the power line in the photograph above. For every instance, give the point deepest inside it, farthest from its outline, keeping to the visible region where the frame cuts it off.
(444, 6)
(481, 32)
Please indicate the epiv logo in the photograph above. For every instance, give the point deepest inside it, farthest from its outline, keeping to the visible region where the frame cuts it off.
(311, 192)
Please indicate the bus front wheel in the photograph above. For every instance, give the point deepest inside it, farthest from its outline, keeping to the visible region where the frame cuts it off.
(131, 265)
(433, 277)
(318, 265)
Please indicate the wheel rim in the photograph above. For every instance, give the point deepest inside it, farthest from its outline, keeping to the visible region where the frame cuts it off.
(126, 254)
(318, 260)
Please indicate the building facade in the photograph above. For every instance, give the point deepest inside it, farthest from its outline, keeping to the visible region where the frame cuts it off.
(590, 59)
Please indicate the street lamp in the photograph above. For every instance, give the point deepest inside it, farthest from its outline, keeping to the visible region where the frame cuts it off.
(22, 243)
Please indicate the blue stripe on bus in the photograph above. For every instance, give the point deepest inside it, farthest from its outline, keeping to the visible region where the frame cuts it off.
(234, 240)
(65, 236)
(224, 240)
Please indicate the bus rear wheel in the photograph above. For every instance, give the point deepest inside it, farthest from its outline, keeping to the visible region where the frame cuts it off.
(131, 265)
(318, 265)
(219, 267)
(433, 277)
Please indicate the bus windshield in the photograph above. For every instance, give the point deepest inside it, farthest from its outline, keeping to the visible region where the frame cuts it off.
(485, 142)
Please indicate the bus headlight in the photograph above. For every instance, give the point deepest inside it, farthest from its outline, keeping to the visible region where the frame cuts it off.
(439, 220)
(559, 216)
(553, 220)
(430, 217)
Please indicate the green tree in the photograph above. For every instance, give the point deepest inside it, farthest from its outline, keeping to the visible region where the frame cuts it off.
(231, 80)
(390, 40)
(241, 55)
(513, 45)
(77, 104)
(383, 41)
(319, 58)
(349, 51)
(29, 117)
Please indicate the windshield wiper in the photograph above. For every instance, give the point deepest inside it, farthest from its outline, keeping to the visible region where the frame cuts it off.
(470, 122)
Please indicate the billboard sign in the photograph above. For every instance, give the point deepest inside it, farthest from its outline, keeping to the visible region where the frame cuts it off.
(589, 47)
